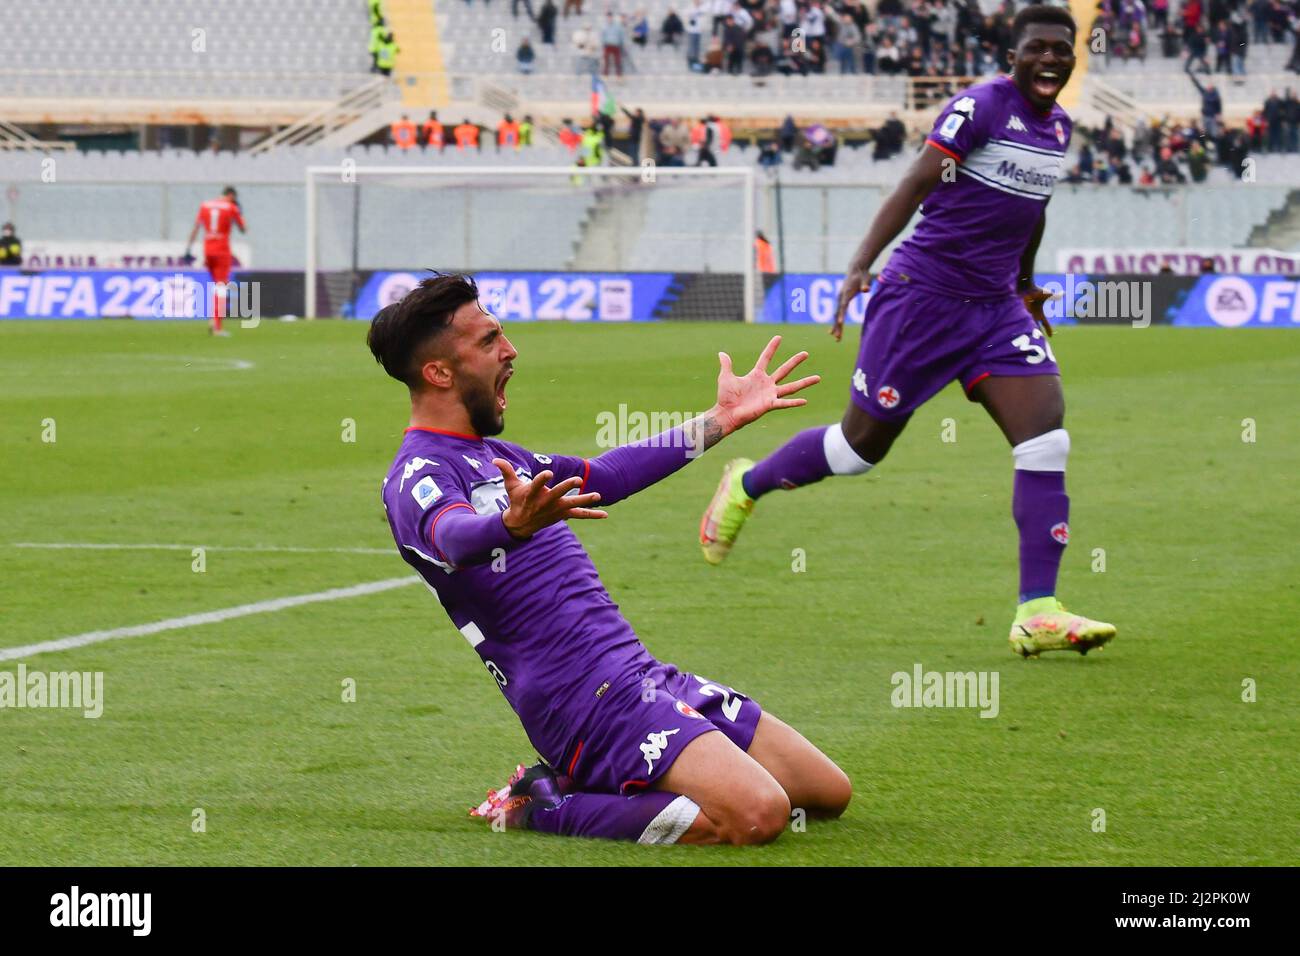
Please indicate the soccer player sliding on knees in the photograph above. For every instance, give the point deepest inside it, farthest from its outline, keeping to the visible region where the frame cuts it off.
(957, 300)
(628, 744)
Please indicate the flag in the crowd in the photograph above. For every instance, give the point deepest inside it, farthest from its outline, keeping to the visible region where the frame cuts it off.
(602, 100)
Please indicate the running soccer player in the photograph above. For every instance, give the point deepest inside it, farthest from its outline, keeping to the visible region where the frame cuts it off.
(627, 743)
(215, 219)
(957, 300)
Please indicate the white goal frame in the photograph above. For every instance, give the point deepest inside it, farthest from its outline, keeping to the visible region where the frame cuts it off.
(347, 172)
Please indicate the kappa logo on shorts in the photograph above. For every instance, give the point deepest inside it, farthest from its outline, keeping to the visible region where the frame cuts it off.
(888, 396)
(686, 710)
(654, 745)
(860, 381)
(1061, 532)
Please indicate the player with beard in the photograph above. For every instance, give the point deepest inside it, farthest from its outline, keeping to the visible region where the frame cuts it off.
(627, 743)
(957, 300)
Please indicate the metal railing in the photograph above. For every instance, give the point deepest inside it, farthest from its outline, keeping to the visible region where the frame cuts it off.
(370, 96)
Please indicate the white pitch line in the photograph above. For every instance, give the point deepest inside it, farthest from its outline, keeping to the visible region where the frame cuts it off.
(205, 617)
(268, 548)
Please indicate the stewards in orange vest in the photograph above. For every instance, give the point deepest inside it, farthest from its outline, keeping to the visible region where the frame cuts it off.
(404, 133)
(724, 133)
(433, 132)
(763, 254)
(466, 134)
(508, 133)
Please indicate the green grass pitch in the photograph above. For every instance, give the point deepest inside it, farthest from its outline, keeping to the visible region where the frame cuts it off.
(162, 437)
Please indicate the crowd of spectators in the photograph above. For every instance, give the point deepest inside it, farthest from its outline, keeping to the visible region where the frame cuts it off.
(915, 38)
(1172, 152)
(1197, 30)
(760, 37)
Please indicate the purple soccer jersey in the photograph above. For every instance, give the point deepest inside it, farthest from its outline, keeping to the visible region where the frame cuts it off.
(537, 613)
(975, 227)
(945, 307)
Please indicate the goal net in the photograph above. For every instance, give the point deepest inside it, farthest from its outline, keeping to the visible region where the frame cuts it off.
(606, 243)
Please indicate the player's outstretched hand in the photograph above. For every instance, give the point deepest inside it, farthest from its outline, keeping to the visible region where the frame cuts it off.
(1034, 300)
(742, 399)
(855, 282)
(533, 506)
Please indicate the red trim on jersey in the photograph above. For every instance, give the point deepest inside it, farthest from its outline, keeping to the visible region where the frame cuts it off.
(433, 528)
(942, 149)
(633, 785)
(586, 473)
(574, 762)
(440, 431)
(971, 387)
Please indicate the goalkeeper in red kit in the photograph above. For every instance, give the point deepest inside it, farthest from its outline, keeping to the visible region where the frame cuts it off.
(215, 219)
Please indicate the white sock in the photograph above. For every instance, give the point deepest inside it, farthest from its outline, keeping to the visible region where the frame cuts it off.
(840, 456)
(1046, 452)
(671, 822)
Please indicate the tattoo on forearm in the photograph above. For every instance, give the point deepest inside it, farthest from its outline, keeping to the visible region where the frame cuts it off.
(703, 432)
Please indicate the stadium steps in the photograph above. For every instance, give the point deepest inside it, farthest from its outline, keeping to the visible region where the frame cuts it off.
(604, 244)
(420, 71)
(1282, 228)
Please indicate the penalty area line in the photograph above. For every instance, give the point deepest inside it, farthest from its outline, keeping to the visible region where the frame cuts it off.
(205, 617)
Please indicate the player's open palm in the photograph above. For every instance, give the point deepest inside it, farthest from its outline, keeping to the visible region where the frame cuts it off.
(534, 506)
(742, 399)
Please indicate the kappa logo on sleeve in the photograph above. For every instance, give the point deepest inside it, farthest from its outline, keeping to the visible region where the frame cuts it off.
(426, 492)
(412, 467)
(965, 105)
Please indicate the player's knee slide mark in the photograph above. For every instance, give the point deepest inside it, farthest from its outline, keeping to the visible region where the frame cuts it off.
(840, 456)
(1046, 452)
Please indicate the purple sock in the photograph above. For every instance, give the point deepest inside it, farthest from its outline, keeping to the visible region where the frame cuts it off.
(1042, 512)
(655, 816)
(800, 461)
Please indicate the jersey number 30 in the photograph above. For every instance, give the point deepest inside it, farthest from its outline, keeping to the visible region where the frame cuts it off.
(1036, 353)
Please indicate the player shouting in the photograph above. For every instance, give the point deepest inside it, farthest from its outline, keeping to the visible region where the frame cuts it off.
(628, 743)
(215, 219)
(957, 300)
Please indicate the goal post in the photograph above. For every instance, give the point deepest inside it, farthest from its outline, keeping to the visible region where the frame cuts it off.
(681, 239)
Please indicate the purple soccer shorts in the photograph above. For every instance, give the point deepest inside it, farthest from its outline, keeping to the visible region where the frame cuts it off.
(916, 340)
(642, 725)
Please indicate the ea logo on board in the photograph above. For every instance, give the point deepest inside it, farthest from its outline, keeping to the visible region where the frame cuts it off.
(1061, 532)
(1230, 301)
(395, 287)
